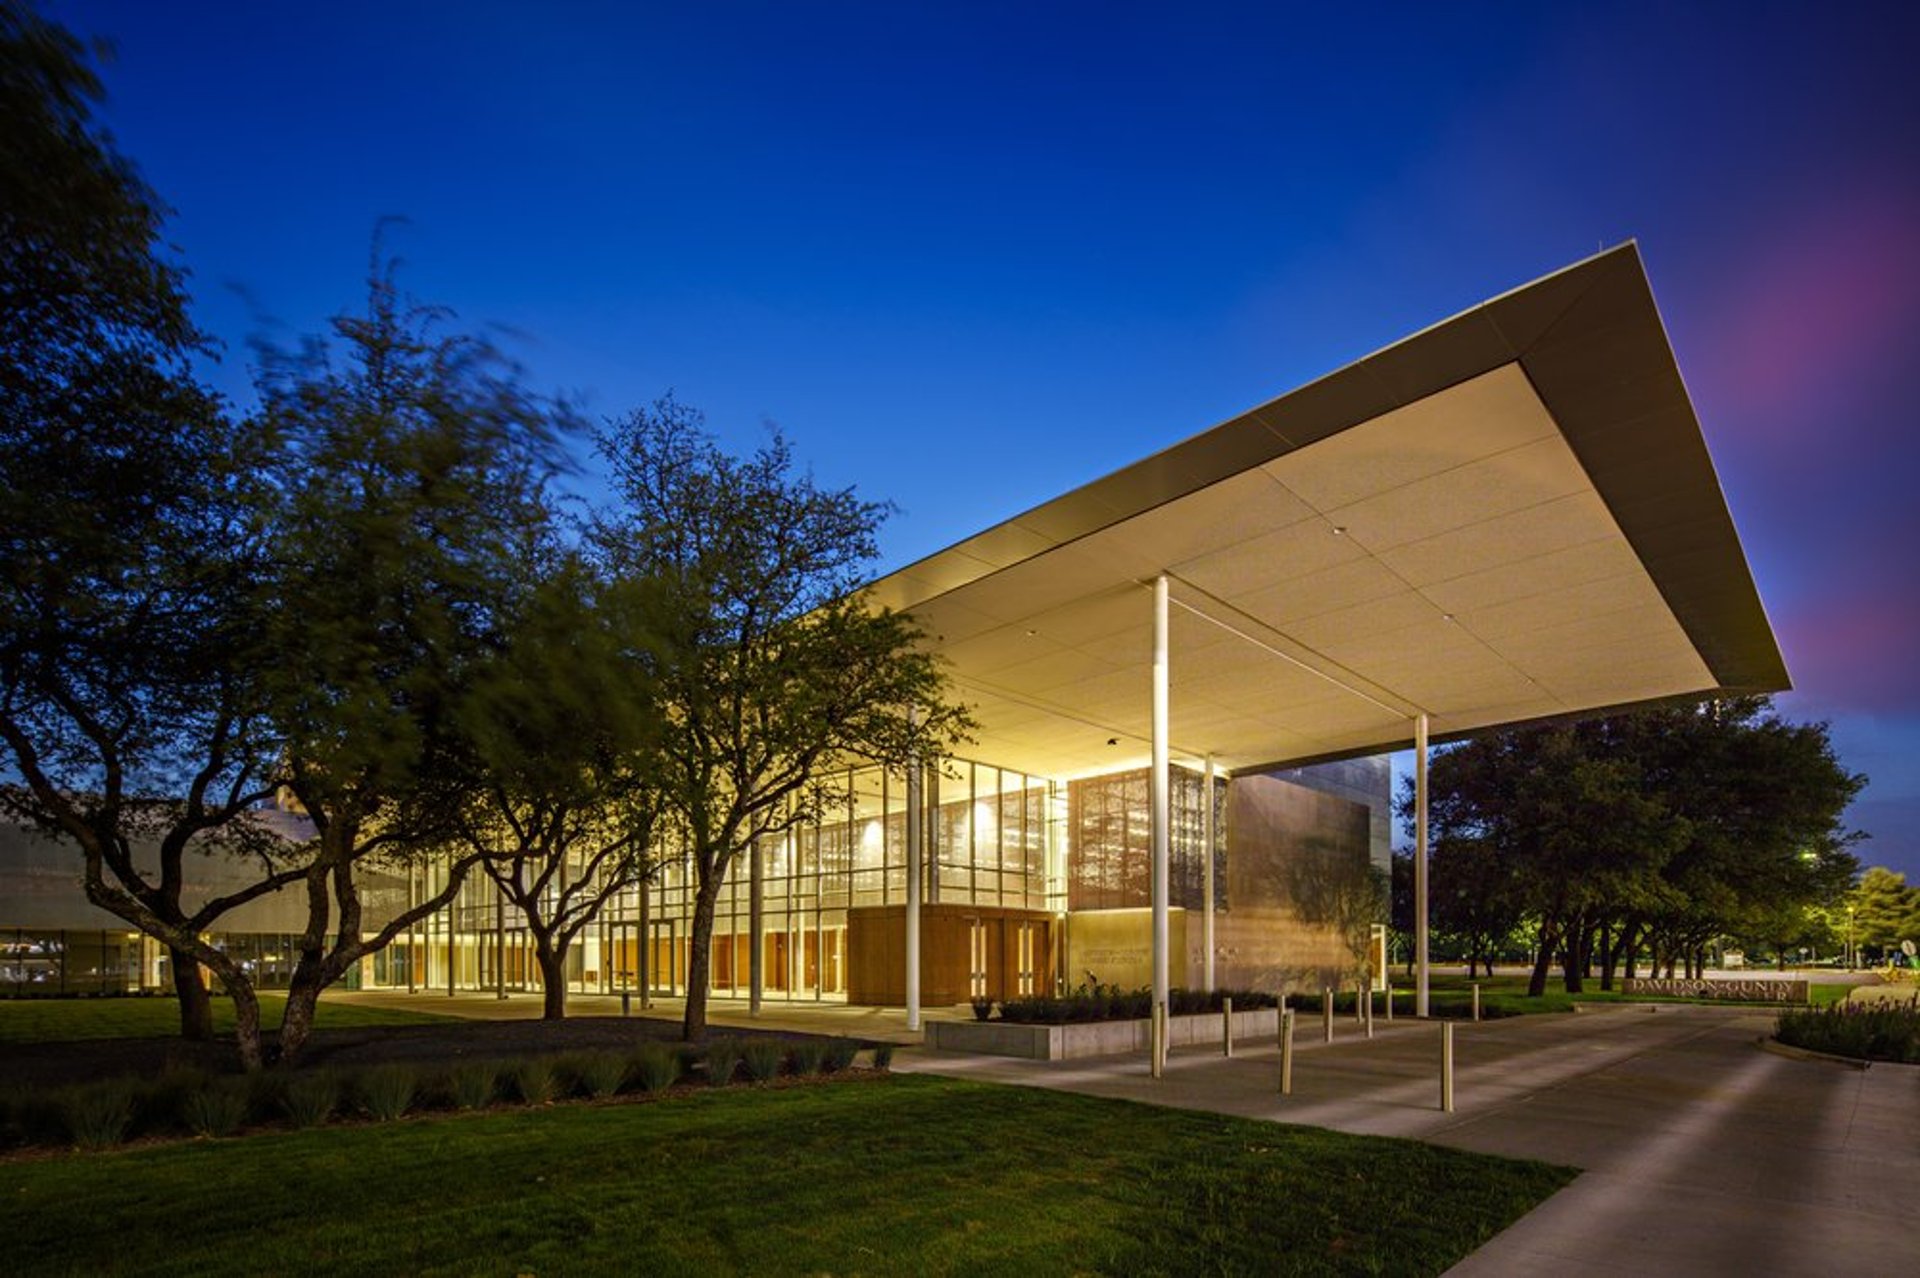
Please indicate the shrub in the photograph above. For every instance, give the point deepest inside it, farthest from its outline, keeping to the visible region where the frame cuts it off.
(98, 1114)
(472, 1084)
(533, 1080)
(723, 1057)
(310, 1099)
(883, 1055)
(656, 1067)
(1882, 1030)
(266, 1095)
(218, 1108)
(840, 1053)
(157, 1106)
(386, 1091)
(600, 1074)
(982, 1008)
(808, 1054)
(762, 1058)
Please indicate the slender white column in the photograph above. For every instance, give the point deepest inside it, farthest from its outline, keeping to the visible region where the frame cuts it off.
(756, 929)
(913, 886)
(1207, 839)
(1161, 826)
(1420, 866)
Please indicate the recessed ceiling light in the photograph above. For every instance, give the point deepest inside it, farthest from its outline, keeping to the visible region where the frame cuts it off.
(1113, 740)
(1032, 633)
(1339, 530)
(1446, 616)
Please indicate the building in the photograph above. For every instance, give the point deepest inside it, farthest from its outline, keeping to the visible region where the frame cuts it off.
(1185, 673)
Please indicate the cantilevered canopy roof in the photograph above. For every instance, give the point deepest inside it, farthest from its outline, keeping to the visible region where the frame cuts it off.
(1508, 516)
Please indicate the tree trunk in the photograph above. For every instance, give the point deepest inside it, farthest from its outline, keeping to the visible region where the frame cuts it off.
(1542, 962)
(1573, 956)
(246, 1025)
(196, 1004)
(303, 999)
(553, 977)
(693, 1028)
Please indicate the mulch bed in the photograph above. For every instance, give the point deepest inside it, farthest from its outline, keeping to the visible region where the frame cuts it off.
(32, 1065)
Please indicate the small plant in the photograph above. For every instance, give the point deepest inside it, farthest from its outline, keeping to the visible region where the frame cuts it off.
(762, 1058)
(883, 1055)
(1883, 1030)
(533, 1080)
(808, 1054)
(386, 1091)
(600, 1074)
(982, 1007)
(656, 1067)
(723, 1057)
(840, 1053)
(217, 1109)
(98, 1114)
(472, 1084)
(266, 1095)
(157, 1105)
(311, 1099)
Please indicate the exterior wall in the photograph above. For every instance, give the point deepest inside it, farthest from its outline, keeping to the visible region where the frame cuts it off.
(1115, 947)
(877, 954)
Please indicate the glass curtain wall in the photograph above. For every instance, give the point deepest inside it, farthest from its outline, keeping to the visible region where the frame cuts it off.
(991, 835)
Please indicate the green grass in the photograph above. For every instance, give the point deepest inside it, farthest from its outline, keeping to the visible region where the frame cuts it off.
(906, 1175)
(49, 1020)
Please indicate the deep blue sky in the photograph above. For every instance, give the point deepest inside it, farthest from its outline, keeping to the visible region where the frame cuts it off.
(972, 255)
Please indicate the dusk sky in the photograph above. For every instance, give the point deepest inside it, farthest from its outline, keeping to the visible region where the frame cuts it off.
(972, 255)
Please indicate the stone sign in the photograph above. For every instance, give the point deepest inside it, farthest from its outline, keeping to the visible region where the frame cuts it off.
(1744, 990)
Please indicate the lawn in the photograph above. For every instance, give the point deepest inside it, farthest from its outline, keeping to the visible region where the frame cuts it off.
(52, 1020)
(904, 1174)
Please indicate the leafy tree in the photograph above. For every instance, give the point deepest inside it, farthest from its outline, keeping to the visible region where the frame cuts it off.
(1885, 910)
(565, 737)
(1472, 899)
(410, 487)
(773, 670)
(129, 547)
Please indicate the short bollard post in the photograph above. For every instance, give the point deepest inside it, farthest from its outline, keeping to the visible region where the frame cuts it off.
(626, 1002)
(1476, 1002)
(1446, 1066)
(1158, 1037)
(1369, 1012)
(1286, 1052)
(1359, 1012)
(1389, 1004)
(1326, 1012)
(1226, 1026)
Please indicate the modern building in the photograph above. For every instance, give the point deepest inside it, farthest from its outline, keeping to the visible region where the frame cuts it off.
(1186, 674)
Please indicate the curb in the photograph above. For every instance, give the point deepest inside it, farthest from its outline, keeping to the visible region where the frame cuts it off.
(1768, 1043)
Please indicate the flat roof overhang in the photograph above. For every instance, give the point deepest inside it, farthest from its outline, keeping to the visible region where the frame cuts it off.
(1509, 516)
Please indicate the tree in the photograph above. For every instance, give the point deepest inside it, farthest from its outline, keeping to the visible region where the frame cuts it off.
(411, 484)
(773, 670)
(565, 738)
(1473, 899)
(1885, 910)
(128, 544)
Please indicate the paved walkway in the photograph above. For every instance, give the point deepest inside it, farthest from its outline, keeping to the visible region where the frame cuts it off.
(1702, 1154)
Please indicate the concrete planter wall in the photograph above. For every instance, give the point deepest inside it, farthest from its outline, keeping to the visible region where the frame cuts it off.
(1091, 1038)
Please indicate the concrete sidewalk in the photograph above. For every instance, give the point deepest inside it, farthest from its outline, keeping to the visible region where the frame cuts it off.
(1701, 1153)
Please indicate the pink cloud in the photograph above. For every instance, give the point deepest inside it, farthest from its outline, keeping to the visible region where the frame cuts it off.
(1827, 295)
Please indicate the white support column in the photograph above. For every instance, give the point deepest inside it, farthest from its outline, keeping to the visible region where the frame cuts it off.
(1420, 866)
(913, 885)
(1161, 820)
(1208, 839)
(756, 929)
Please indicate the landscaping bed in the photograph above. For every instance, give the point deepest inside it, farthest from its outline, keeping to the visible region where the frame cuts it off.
(1877, 1030)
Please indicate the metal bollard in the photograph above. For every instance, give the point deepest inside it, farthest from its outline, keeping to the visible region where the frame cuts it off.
(1158, 1036)
(1476, 1002)
(1286, 1052)
(1326, 1012)
(1226, 1025)
(1389, 1004)
(1446, 1066)
(1359, 1013)
(626, 1002)
(1369, 1012)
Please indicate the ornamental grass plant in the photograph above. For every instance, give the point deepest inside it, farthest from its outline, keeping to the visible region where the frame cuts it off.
(1882, 1030)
